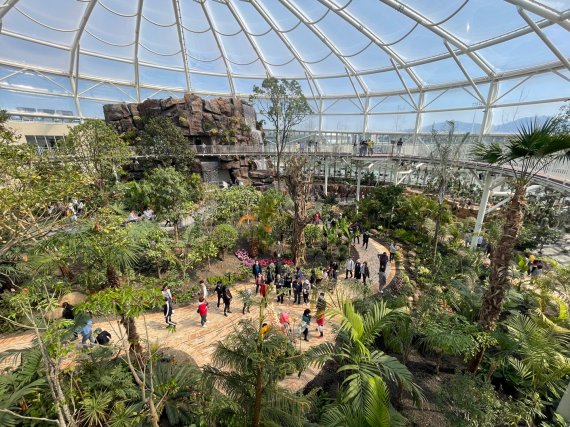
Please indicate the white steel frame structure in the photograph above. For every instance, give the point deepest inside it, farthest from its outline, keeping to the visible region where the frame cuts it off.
(487, 87)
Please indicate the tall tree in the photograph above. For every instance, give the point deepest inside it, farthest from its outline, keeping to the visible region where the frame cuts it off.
(165, 144)
(31, 183)
(529, 152)
(447, 149)
(299, 182)
(98, 151)
(285, 106)
(169, 195)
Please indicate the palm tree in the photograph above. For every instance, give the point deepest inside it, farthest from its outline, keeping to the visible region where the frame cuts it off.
(365, 367)
(529, 152)
(247, 367)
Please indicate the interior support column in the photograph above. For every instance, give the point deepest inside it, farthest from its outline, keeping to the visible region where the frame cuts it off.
(487, 184)
(326, 177)
(358, 176)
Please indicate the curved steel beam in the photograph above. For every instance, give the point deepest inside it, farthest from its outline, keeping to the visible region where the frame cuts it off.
(540, 10)
(5, 8)
(176, 6)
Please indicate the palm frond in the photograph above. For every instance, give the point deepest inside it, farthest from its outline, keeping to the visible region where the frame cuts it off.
(488, 153)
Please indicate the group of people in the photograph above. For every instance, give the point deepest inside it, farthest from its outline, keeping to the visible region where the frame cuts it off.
(84, 325)
(365, 147)
(71, 210)
(147, 214)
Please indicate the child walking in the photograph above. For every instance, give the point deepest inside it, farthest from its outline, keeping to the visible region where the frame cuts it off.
(203, 311)
(305, 321)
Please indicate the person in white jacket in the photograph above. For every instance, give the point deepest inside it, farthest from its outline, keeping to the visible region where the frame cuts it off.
(349, 268)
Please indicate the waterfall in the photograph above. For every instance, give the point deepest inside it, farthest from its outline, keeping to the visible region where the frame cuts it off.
(260, 164)
(249, 116)
(256, 137)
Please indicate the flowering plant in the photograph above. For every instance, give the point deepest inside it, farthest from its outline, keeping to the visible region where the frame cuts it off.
(246, 260)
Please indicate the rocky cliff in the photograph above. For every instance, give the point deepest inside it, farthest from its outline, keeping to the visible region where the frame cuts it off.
(215, 121)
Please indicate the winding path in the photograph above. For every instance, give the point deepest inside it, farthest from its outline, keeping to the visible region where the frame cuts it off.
(197, 341)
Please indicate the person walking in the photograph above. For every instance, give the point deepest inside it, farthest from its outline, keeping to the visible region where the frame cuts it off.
(219, 292)
(313, 278)
(365, 272)
(400, 144)
(384, 259)
(87, 333)
(305, 322)
(349, 268)
(393, 250)
(280, 288)
(203, 290)
(356, 234)
(259, 280)
(102, 337)
(166, 292)
(357, 270)
(365, 238)
(288, 283)
(256, 269)
(227, 298)
(320, 315)
(284, 322)
(334, 268)
(299, 275)
(306, 291)
(297, 291)
(203, 311)
(168, 311)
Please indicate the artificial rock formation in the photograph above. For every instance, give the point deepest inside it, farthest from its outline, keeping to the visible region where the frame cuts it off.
(215, 121)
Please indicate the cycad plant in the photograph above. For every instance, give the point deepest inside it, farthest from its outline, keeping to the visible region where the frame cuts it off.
(247, 366)
(368, 371)
(527, 154)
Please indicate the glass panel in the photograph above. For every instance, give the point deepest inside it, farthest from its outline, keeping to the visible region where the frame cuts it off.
(483, 20)
(105, 68)
(255, 23)
(396, 104)
(453, 98)
(245, 86)
(90, 108)
(350, 105)
(272, 48)
(207, 83)
(280, 15)
(111, 27)
(337, 86)
(201, 46)
(91, 44)
(150, 58)
(421, 43)
(510, 54)
(14, 101)
(291, 70)
(92, 89)
(372, 58)
(383, 21)
(159, 94)
(386, 81)
(159, 77)
(435, 10)
(330, 65)
(465, 121)
(542, 86)
(392, 122)
(559, 37)
(342, 35)
(61, 14)
(344, 122)
(507, 119)
(38, 81)
(36, 54)
(447, 70)
(309, 46)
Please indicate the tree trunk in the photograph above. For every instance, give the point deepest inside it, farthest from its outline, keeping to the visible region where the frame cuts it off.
(298, 241)
(112, 277)
(277, 171)
(132, 334)
(501, 258)
(258, 396)
(66, 272)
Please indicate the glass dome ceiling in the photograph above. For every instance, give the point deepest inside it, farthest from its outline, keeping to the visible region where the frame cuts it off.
(365, 65)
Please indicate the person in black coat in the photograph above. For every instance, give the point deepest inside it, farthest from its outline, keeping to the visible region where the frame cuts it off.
(365, 238)
(256, 269)
(297, 291)
(365, 272)
(219, 292)
(357, 270)
(67, 311)
(227, 297)
(288, 283)
(102, 337)
(167, 310)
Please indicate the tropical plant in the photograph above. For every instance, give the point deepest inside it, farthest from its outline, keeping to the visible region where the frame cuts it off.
(169, 196)
(527, 154)
(224, 236)
(98, 152)
(285, 106)
(247, 367)
(446, 150)
(360, 361)
(164, 144)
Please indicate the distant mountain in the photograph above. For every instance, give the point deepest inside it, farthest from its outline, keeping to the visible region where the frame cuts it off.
(462, 127)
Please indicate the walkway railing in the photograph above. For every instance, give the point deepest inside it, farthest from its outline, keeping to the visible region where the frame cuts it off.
(557, 173)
